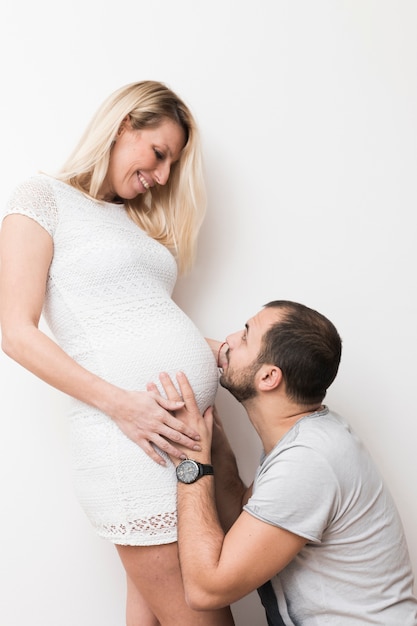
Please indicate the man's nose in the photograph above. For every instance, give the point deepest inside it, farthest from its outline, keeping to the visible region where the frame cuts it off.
(231, 339)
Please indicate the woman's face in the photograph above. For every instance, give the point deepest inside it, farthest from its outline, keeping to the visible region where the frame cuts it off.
(141, 159)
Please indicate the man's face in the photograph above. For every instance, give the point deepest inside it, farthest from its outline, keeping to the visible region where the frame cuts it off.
(239, 375)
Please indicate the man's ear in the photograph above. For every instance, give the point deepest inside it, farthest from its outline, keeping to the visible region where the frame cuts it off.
(269, 377)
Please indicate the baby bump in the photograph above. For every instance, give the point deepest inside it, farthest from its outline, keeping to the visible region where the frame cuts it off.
(159, 339)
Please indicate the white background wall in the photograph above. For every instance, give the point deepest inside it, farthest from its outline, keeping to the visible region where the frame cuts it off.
(308, 115)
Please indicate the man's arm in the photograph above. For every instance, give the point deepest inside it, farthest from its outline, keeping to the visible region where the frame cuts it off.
(230, 491)
(220, 568)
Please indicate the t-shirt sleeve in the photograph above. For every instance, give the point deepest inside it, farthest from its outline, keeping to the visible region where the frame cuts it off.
(296, 490)
(35, 199)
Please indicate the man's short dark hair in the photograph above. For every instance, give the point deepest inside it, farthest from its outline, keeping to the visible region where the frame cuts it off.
(307, 348)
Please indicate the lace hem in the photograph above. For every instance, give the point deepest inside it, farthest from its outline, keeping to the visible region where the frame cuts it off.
(155, 526)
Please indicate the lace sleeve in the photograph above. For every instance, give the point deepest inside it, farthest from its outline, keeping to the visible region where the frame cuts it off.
(35, 199)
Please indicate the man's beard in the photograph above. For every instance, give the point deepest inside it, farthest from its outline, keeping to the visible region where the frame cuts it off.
(240, 385)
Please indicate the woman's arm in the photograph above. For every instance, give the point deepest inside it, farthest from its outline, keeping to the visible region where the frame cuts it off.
(25, 255)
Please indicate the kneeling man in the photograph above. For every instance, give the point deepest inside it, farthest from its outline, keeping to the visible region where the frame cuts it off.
(317, 533)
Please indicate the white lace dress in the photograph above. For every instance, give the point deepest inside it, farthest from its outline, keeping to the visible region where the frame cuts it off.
(108, 303)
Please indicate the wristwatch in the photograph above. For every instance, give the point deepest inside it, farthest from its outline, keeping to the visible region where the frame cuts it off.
(188, 471)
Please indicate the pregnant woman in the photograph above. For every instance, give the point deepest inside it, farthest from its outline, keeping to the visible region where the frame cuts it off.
(95, 248)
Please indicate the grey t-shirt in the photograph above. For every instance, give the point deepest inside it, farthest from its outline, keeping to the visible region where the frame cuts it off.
(319, 482)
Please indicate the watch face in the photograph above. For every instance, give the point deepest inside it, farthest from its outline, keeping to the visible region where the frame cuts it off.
(188, 471)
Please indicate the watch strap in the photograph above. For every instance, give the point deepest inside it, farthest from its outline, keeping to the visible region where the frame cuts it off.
(205, 470)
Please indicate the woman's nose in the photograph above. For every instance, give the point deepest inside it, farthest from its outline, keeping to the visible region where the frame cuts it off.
(161, 173)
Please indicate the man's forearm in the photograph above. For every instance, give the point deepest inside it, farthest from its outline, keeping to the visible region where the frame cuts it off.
(200, 541)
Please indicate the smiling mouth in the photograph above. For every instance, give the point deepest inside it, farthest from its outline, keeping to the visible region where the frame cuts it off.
(143, 181)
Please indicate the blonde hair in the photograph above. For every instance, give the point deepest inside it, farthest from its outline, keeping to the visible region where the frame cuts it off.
(172, 214)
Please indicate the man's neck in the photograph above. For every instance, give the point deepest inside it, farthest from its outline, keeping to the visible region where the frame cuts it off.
(272, 421)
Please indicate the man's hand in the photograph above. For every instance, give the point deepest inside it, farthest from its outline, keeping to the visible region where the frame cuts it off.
(189, 414)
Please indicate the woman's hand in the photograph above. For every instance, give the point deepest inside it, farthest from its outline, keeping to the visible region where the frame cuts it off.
(145, 417)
